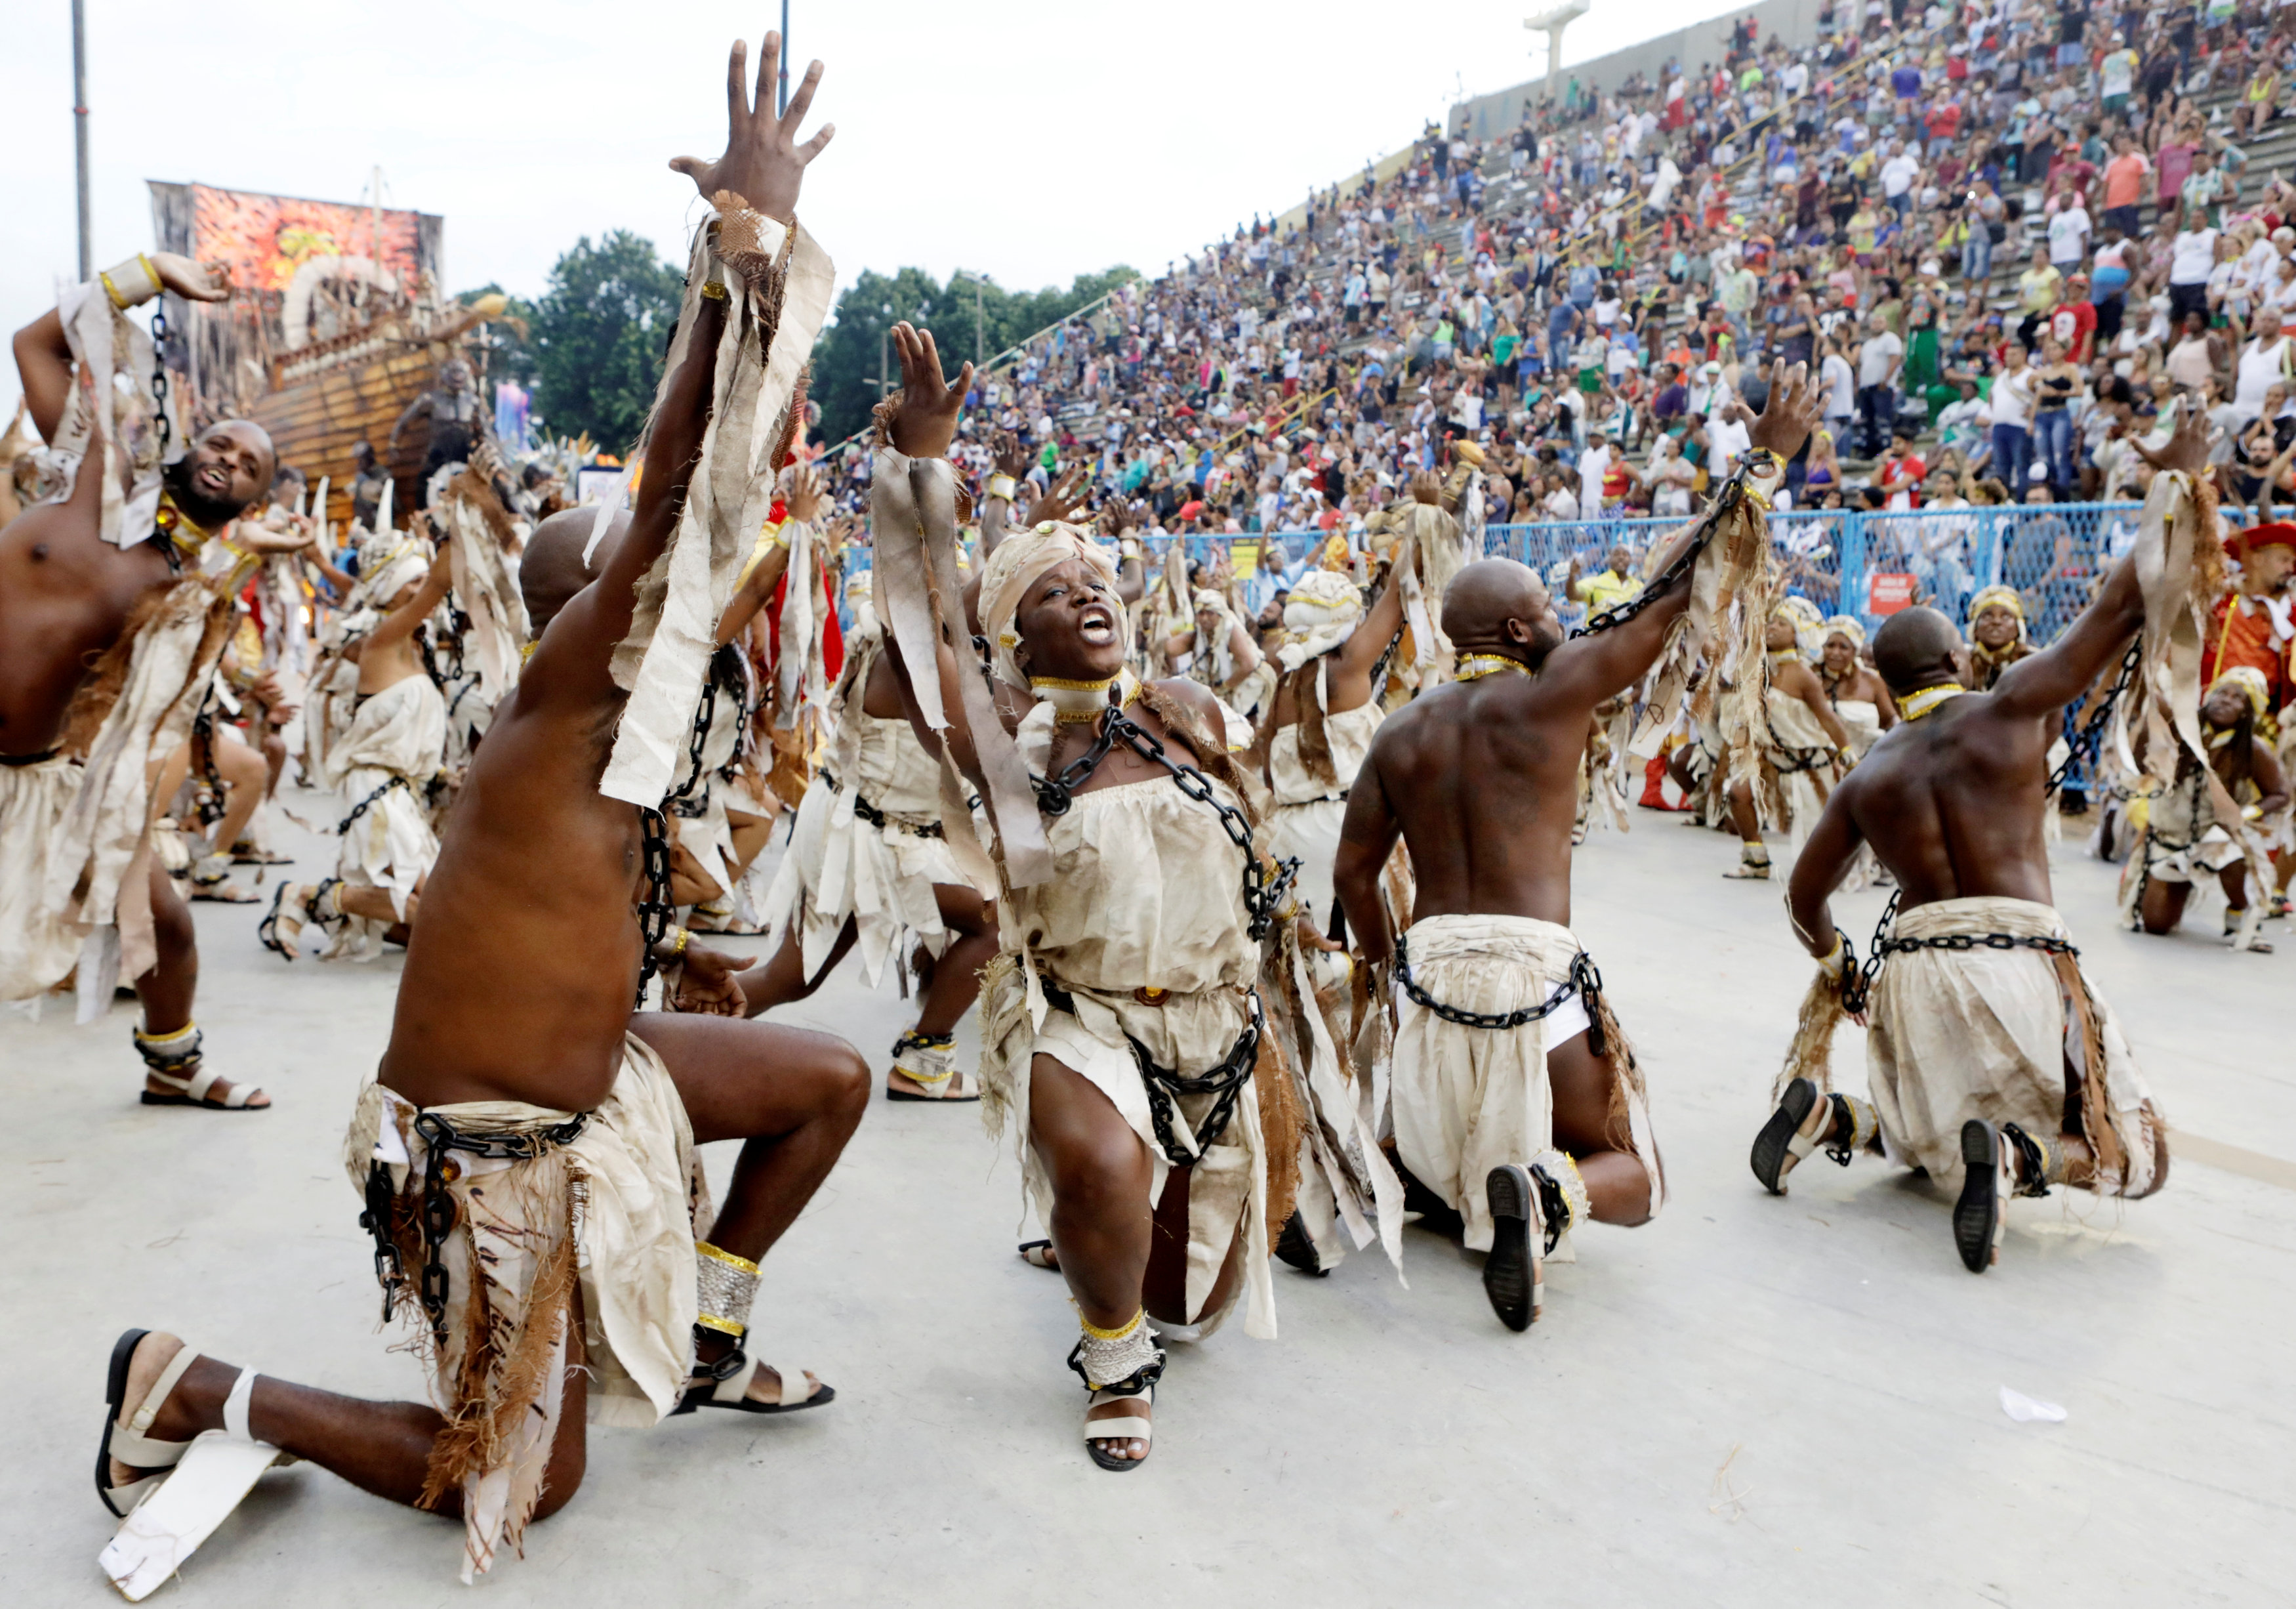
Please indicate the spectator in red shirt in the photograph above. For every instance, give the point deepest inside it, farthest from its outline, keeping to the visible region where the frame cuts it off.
(2072, 321)
(1903, 472)
(1943, 124)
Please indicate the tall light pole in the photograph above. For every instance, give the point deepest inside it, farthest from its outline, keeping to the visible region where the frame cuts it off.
(980, 319)
(80, 134)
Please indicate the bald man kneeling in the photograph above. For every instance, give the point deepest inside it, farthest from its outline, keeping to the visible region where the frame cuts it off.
(1517, 1100)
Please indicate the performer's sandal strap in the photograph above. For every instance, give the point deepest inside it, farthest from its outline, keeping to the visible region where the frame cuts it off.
(212, 1478)
(1128, 1427)
(124, 1438)
(194, 1089)
(726, 1383)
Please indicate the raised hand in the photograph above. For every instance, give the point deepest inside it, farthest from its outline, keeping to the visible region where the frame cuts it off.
(805, 494)
(1789, 413)
(1011, 458)
(764, 164)
(2187, 450)
(1062, 498)
(192, 280)
(925, 419)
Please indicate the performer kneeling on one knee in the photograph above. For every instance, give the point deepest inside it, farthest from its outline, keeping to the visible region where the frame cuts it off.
(1517, 1100)
(1121, 1029)
(526, 1150)
(1991, 1064)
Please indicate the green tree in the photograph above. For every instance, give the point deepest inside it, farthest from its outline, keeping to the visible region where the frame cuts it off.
(598, 335)
(964, 319)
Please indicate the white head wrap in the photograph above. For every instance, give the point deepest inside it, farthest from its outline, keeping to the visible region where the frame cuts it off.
(1851, 626)
(1809, 624)
(407, 564)
(1320, 614)
(1014, 567)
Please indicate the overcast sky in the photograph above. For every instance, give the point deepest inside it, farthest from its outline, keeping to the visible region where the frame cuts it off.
(1029, 139)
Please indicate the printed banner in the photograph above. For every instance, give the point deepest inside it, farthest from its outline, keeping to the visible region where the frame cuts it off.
(1887, 593)
(264, 239)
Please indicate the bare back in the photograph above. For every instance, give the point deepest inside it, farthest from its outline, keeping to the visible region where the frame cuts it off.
(520, 975)
(1482, 779)
(1953, 803)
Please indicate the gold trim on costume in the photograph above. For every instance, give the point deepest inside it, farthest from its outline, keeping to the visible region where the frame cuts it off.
(1914, 705)
(1473, 667)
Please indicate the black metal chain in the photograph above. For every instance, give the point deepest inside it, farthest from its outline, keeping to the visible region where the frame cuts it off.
(2085, 742)
(1224, 1081)
(703, 714)
(654, 910)
(1857, 982)
(159, 374)
(877, 818)
(1618, 614)
(437, 1210)
(1584, 982)
(364, 805)
(211, 803)
(1263, 895)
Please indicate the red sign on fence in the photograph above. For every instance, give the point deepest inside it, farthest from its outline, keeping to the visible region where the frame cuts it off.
(1887, 593)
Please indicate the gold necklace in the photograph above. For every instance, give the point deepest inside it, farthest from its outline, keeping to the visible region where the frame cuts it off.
(1075, 702)
(1475, 666)
(1914, 705)
(172, 522)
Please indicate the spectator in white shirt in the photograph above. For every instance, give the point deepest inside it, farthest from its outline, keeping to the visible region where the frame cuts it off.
(2069, 232)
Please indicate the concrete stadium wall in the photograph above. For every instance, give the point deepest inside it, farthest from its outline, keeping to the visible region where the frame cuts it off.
(1488, 117)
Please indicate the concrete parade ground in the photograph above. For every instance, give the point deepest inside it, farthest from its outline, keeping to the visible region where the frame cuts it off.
(1752, 1401)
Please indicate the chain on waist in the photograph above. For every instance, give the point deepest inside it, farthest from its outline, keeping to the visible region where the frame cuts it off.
(435, 1213)
(908, 821)
(1223, 1083)
(1583, 981)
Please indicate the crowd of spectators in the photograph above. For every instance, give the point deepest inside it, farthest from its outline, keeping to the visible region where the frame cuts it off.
(2009, 238)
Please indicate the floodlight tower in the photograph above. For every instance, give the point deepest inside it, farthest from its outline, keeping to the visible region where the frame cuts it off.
(1552, 23)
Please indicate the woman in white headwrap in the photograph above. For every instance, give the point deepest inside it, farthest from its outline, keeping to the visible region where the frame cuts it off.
(1122, 1033)
(1858, 694)
(1804, 745)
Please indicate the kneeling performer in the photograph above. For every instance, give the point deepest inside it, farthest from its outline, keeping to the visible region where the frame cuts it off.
(1517, 1100)
(1991, 1064)
(1120, 1027)
(526, 1148)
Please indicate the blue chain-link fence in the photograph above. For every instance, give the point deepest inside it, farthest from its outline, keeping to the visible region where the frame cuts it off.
(1863, 564)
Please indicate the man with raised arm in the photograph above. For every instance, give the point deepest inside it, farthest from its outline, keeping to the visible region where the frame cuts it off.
(109, 636)
(1991, 1064)
(526, 1147)
(1517, 1100)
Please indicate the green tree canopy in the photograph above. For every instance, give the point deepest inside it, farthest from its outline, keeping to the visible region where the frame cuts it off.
(595, 340)
(597, 337)
(847, 364)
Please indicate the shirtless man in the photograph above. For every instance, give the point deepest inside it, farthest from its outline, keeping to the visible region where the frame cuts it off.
(1526, 1129)
(1991, 1064)
(70, 592)
(517, 998)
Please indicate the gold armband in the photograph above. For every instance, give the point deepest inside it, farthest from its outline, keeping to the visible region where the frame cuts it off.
(677, 939)
(1001, 485)
(713, 291)
(141, 281)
